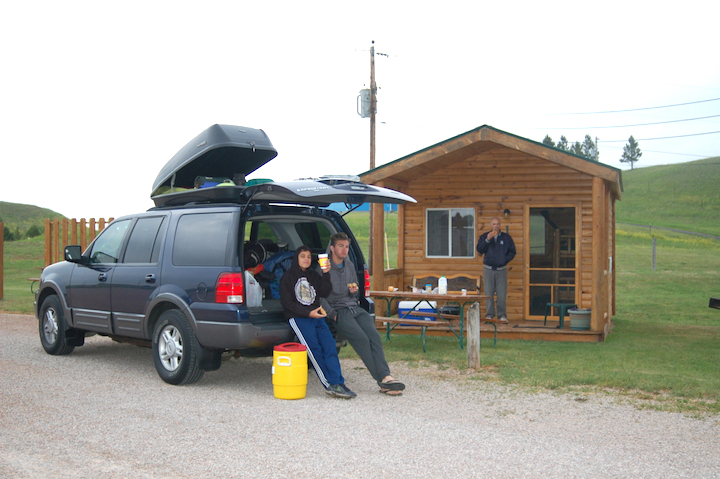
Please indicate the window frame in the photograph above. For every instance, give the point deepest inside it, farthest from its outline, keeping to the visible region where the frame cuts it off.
(464, 211)
(142, 231)
(116, 232)
(215, 253)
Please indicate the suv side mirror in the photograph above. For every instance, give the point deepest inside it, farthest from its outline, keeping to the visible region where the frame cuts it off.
(73, 254)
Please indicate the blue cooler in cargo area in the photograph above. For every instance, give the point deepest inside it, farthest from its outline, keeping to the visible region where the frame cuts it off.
(425, 306)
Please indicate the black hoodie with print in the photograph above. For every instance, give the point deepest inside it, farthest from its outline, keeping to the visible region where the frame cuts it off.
(301, 290)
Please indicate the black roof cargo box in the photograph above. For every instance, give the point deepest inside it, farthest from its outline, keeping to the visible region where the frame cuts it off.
(221, 151)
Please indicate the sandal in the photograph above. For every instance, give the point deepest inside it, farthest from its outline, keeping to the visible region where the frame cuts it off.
(393, 385)
(391, 392)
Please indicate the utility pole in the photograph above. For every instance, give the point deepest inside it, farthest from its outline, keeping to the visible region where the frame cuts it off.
(373, 101)
(597, 148)
(373, 105)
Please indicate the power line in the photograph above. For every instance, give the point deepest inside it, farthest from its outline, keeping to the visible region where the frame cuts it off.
(636, 109)
(664, 152)
(701, 164)
(659, 138)
(627, 126)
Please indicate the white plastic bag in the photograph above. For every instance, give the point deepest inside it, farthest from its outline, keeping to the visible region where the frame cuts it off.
(254, 291)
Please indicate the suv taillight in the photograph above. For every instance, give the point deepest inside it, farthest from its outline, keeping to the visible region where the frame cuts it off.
(367, 283)
(230, 288)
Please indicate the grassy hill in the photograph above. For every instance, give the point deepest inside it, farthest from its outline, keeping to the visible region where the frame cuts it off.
(19, 216)
(685, 196)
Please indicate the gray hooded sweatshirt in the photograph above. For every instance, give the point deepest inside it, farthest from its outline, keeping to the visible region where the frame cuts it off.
(341, 296)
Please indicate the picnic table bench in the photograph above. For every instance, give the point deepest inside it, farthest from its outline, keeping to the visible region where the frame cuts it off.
(442, 320)
(32, 284)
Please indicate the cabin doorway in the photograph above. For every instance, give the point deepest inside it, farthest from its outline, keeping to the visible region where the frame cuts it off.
(552, 266)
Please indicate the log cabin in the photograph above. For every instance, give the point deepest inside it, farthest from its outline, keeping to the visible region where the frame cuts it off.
(558, 207)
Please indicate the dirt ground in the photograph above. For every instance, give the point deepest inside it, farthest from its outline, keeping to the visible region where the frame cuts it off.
(102, 411)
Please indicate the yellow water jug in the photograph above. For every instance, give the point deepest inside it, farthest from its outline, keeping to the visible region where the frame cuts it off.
(290, 371)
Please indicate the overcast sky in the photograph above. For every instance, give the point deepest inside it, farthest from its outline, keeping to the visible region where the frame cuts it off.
(97, 96)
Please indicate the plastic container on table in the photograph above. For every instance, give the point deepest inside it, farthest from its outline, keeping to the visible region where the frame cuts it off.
(442, 285)
(425, 306)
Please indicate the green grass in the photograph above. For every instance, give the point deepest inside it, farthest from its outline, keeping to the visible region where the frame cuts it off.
(19, 216)
(683, 196)
(663, 350)
(359, 223)
(23, 259)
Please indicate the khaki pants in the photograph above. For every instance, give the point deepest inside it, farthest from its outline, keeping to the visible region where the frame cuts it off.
(496, 283)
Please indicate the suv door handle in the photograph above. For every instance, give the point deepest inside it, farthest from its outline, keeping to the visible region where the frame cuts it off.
(150, 278)
(102, 277)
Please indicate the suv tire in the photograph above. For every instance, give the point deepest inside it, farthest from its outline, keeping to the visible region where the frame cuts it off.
(176, 351)
(53, 327)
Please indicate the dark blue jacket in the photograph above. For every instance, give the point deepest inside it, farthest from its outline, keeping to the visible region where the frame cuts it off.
(499, 251)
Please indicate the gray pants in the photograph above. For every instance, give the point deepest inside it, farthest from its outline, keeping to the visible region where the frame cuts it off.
(358, 327)
(496, 283)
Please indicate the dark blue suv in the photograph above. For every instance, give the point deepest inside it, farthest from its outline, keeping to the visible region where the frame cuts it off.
(187, 276)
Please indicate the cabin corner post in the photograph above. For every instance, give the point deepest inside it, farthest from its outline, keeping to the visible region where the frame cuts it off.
(401, 238)
(378, 252)
(599, 266)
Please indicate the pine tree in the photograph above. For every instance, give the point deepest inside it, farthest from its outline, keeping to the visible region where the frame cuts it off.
(631, 152)
(563, 143)
(589, 149)
(577, 148)
(548, 141)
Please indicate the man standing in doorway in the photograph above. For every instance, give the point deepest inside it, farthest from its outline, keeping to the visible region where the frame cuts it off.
(499, 250)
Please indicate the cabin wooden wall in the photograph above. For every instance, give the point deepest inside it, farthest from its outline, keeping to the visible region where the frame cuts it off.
(491, 182)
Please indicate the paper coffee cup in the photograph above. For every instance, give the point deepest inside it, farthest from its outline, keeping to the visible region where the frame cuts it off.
(323, 260)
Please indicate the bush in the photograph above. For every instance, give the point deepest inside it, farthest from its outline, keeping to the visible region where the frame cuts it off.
(34, 231)
(9, 235)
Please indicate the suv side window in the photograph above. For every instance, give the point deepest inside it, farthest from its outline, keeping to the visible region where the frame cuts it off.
(144, 245)
(106, 247)
(314, 235)
(260, 230)
(202, 239)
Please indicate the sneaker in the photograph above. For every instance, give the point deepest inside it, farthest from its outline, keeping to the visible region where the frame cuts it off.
(340, 391)
(349, 393)
(489, 317)
(503, 319)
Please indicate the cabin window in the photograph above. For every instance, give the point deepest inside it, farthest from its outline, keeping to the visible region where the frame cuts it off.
(450, 232)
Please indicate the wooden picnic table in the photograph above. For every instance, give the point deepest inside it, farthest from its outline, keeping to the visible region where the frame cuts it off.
(442, 319)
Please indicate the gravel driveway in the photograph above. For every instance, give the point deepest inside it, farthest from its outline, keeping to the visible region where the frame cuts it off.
(103, 412)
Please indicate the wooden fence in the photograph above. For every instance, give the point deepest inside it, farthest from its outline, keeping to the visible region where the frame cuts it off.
(60, 233)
